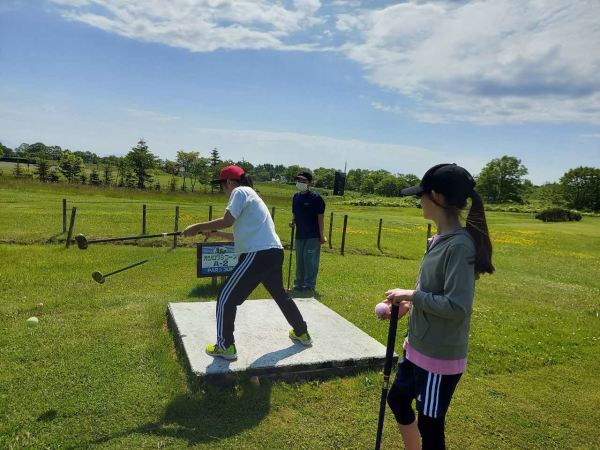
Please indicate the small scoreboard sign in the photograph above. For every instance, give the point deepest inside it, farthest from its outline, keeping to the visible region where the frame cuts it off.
(215, 259)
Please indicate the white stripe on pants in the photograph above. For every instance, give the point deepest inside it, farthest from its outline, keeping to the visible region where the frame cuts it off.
(224, 296)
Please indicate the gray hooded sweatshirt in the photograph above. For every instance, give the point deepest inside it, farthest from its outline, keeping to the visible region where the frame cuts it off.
(440, 316)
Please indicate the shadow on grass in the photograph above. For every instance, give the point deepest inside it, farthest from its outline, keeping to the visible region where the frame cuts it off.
(205, 290)
(210, 415)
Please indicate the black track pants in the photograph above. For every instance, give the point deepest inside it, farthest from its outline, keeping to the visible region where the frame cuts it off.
(252, 269)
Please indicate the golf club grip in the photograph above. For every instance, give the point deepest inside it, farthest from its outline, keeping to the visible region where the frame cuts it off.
(387, 369)
(127, 267)
(131, 238)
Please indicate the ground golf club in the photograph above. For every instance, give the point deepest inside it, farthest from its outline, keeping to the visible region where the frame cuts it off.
(387, 369)
(83, 242)
(99, 278)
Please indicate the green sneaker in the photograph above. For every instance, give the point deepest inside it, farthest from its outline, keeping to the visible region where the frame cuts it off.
(227, 353)
(304, 339)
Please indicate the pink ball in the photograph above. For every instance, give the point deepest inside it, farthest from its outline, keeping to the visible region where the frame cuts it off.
(382, 310)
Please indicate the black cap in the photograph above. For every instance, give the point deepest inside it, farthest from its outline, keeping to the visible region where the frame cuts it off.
(306, 175)
(455, 182)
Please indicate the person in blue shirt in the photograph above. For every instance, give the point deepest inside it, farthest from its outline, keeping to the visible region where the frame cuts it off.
(308, 209)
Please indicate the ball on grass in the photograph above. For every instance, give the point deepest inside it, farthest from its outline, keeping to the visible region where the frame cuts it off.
(32, 321)
(382, 310)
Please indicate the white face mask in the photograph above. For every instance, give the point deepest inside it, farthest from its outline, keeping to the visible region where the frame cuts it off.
(301, 186)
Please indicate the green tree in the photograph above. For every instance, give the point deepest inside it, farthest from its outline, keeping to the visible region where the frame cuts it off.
(367, 185)
(37, 150)
(170, 167)
(53, 152)
(123, 172)
(582, 188)
(88, 157)
(43, 170)
(5, 151)
(107, 175)
(141, 160)
(324, 178)
(215, 158)
(22, 149)
(264, 172)
(388, 186)
(173, 184)
(200, 172)
(185, 162)
(95, 178)
(355, 178)
(70, 166)
(408, 180)
(501, 180)
(18, 171)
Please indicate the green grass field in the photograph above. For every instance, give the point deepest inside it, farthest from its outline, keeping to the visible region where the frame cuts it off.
(100, 369)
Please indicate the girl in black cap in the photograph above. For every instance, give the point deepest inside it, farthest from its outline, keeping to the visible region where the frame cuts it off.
(440, 306)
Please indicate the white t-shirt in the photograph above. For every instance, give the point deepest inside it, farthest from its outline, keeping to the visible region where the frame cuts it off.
(253, 229)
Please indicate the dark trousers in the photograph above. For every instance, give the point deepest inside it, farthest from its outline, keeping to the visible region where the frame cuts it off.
(252, 269)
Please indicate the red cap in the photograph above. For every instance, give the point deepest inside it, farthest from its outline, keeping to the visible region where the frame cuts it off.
(230, 173)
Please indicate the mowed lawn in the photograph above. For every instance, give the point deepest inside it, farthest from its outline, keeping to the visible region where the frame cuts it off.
(100, 369)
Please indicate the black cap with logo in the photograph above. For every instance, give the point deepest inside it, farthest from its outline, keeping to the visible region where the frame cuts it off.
(455, 182)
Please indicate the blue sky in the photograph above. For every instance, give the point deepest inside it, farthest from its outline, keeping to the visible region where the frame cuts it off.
(393, 85)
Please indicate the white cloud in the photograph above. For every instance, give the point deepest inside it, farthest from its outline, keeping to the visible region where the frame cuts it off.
(201, 25)
(145, 114)
(383, 107)
(485, 62)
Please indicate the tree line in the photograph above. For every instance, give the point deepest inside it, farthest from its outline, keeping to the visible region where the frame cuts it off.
(502, 180)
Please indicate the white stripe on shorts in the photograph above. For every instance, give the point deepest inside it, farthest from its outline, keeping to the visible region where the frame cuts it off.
(426, 404)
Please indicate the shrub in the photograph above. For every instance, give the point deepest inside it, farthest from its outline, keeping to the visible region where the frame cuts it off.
(558, 215)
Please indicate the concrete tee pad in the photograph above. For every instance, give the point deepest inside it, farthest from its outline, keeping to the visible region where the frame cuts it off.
(263, 345)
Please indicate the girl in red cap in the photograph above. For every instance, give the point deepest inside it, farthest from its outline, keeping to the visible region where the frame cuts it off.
(260, 260)
(440, 306)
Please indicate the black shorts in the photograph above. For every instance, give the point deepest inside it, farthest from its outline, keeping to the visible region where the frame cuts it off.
(431, 391)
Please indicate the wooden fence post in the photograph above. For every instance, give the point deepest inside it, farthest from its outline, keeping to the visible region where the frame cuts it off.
(344, 233)
(176, 226)
(143, 219)
(71, 225)
(209, 212)
(379, 235)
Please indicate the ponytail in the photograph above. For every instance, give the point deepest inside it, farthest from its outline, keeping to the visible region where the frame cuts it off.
(246, 180)
(477, 227)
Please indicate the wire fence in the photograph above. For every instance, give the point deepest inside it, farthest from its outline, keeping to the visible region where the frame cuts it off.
(347, 230)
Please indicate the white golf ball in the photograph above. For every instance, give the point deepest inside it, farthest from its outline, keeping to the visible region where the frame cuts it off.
(32, 321)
